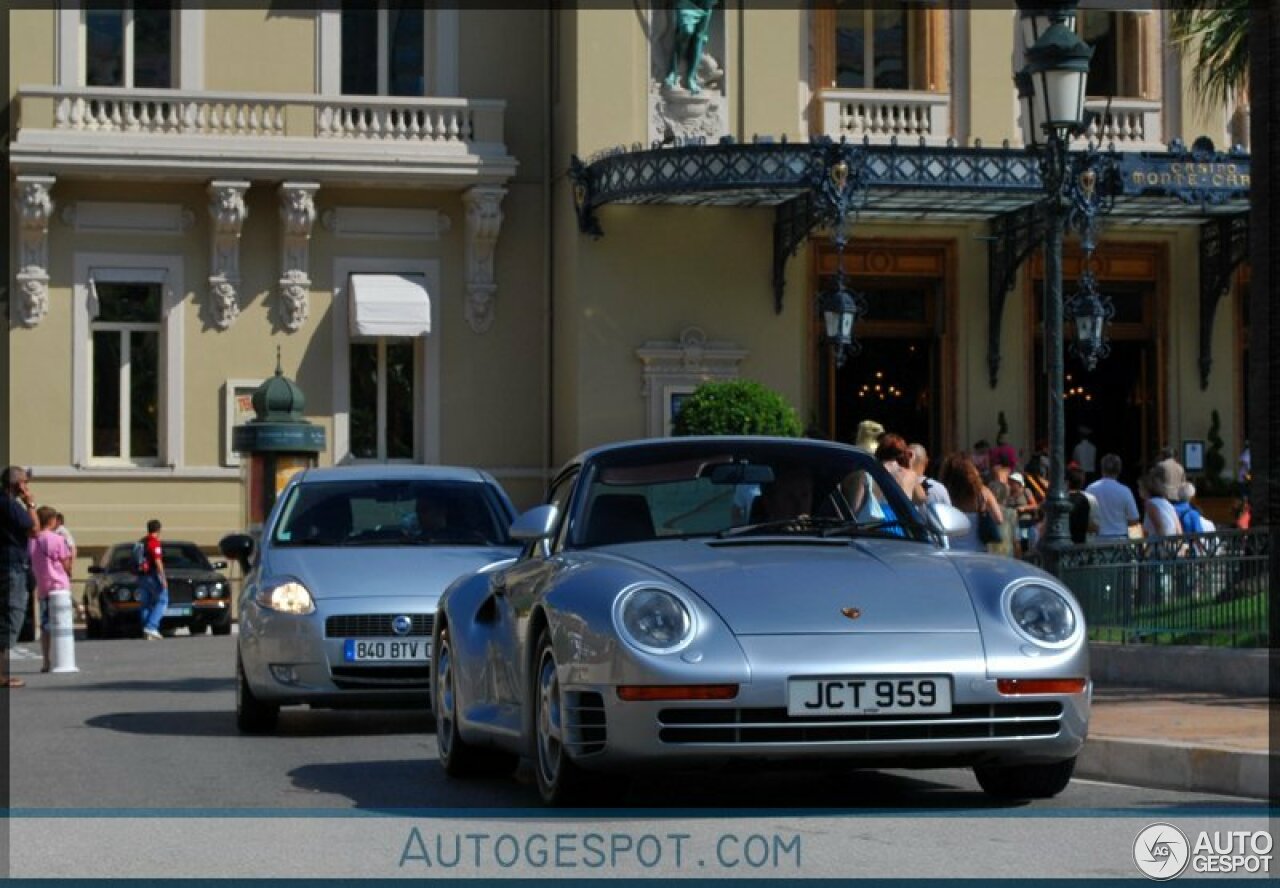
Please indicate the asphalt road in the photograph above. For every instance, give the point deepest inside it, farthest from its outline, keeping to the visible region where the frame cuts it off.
(151, 724)
(146, 730)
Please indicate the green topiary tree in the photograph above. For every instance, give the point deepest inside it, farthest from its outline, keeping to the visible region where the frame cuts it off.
(736, 407)
(1214, 462)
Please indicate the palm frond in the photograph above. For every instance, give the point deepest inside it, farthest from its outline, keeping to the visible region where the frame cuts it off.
(1215, 34)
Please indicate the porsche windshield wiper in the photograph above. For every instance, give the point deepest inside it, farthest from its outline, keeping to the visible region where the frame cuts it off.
(855, 527)
(806, 524)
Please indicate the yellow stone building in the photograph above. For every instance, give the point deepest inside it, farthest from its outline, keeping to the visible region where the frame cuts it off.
(382, 193)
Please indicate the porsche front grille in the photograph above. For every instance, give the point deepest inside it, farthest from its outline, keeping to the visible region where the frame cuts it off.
(375, 626)
(765, 726)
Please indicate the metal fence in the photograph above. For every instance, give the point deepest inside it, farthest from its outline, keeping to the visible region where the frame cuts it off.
(1210, 588)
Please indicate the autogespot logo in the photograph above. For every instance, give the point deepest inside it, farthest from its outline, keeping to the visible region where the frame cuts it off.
(1161, 851)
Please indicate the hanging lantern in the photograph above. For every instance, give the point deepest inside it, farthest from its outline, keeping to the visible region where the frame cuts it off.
(1089, 312)
(840, 311)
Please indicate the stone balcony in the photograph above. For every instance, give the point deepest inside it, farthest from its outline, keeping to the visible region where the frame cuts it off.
(880, 116)
(331, 139)
(1128, 124)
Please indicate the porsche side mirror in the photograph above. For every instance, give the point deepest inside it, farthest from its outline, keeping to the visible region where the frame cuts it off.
(947, 520)
(238, 547)
(539, 523)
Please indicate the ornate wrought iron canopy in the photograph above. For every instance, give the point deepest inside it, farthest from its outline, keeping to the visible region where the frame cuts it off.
(919, 182)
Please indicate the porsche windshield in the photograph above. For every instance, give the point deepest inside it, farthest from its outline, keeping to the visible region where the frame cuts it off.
(716, 488)
(391, 512)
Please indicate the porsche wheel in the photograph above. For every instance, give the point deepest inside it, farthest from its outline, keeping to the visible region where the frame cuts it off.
(1025, 781)
(457, 757)
(252, 715)
(560, 780)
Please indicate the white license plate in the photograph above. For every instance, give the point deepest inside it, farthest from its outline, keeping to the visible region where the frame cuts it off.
(177, 611)
(393, 650)
(869, 695)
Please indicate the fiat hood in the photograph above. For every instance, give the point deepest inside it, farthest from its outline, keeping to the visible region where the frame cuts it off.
(762, 588)
(408, 571)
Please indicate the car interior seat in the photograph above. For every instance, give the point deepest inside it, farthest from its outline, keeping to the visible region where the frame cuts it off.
(619, 518)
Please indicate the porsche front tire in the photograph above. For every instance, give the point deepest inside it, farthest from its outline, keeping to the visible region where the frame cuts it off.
(1011, 782)
(457, 757)
(560, 780)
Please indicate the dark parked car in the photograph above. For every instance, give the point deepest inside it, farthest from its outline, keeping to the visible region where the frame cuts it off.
(199, 596)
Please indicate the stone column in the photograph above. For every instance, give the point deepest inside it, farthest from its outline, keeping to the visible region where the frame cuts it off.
(228, 212)
(297, 216)
(484, 220)
(34, 205)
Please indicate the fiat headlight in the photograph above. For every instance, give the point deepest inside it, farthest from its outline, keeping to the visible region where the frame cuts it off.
(653, 619)
(123, 593)
(1042, 614)
(202, 591)
(286, 596)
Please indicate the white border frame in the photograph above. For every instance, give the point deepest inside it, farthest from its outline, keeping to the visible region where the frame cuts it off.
(167, 270)
(188, 43)
(427, 409)
(231, 389)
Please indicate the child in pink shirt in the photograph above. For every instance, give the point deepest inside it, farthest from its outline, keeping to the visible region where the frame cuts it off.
(51, 564)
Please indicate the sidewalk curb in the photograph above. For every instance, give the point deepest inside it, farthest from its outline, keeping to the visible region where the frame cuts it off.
(1176, 766)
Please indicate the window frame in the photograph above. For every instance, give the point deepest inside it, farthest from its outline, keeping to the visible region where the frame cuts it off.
(167, 271)
(126, 8)
(186, 46)
(440, 37)
(928, 50)
(428, 385)
(380, 344)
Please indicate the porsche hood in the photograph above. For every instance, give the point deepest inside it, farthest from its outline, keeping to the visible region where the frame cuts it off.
(762, 588)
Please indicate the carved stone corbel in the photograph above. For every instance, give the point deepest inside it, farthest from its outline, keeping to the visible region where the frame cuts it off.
(297, 216)
(34, 206)
(484, 220)
(227, 212)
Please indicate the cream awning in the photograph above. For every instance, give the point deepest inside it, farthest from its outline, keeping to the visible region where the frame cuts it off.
(389, 305)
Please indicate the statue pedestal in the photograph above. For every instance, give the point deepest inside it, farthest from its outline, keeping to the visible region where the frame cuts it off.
(683, 106)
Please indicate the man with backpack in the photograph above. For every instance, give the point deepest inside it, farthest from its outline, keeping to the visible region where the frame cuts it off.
(148, 563)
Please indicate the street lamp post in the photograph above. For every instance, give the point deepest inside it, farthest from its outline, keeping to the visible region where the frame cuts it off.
(1052, 88)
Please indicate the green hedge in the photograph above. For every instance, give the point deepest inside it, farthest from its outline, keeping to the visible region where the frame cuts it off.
(736, 407)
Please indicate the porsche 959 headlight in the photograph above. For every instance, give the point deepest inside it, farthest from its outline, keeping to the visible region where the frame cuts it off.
(653, 619)
(1041, 613)
(288, 596)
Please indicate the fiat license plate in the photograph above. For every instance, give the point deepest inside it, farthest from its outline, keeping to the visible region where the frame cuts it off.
(870, 695)
(393, 650)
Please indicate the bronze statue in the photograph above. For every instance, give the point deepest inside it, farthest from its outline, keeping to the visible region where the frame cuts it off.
(693, 23)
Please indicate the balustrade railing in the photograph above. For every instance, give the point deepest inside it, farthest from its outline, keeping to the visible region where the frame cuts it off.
(1129, 124)
(880, 116)
(465, 123)
(1197, 589)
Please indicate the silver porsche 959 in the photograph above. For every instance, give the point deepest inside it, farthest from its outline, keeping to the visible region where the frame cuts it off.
(693, 601)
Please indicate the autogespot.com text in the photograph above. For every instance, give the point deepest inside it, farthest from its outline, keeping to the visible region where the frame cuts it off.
(600, 850)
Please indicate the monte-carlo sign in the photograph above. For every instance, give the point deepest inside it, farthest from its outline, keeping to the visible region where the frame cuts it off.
(1200, 175)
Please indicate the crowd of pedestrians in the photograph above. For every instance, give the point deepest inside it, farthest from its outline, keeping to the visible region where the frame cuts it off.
(1005, 501)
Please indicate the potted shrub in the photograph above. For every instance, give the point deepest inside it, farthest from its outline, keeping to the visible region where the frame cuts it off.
(736, 407)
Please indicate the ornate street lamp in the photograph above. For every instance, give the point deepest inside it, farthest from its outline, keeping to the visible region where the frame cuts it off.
(1052, 88)
(840, 311)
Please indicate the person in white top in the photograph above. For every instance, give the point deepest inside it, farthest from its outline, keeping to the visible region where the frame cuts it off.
(1159, 518)
(1085, 454)
(1117, 509)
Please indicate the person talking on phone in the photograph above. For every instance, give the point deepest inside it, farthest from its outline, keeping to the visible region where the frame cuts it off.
(19, 517)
